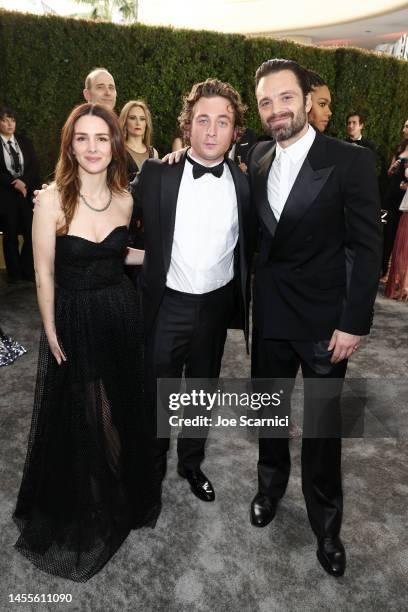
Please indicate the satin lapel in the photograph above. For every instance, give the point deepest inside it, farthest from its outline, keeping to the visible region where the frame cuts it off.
(170, 185)
(305, 190)
(241, 216)
(261, 189)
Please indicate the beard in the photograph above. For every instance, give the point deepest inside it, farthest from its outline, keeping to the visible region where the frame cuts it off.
(284, 132)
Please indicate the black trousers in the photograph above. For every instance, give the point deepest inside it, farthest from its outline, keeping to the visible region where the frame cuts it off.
(189, 333)
(321, 456)
(16, 218)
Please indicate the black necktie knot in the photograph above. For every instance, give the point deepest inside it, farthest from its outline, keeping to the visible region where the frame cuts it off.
(199, 170)
(15, 157)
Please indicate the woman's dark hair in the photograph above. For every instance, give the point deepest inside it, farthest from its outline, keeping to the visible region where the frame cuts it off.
(6, 111)
(66, 171)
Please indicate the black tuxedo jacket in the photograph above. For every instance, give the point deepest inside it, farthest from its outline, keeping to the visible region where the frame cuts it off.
(30, 176)
(363, 142)
(155, 192)
(244, 145)
(306, 282)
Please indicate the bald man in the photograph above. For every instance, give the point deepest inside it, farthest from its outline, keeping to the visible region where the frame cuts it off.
(100, 88)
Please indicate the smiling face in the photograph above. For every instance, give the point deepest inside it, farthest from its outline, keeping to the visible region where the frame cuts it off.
(212, 129)
(282, 107)
(101, 90)
(7, 126)
(320, 113)
(91, 144)
(136, 122)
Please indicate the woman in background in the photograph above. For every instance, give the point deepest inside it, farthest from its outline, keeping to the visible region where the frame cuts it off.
(397, 283)
(88, 477)
(393, 198)
(320, 113)
(137, 128)
(136, 123)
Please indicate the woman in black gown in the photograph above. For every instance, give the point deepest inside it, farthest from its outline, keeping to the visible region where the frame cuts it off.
(88, 477)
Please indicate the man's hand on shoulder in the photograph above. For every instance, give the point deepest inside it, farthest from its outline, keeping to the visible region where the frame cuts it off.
(37, 193)
(174, 157)
(343, 345)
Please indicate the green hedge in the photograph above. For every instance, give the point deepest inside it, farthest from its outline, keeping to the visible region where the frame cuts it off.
(44, 61)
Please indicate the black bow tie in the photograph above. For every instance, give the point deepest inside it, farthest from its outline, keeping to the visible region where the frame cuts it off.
(199, 170)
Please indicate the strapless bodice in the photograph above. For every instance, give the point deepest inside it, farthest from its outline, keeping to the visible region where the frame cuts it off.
(81, 264)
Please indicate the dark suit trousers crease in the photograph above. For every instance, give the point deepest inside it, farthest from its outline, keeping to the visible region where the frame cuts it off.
(16, 217)
(321, 456)
(189, 333)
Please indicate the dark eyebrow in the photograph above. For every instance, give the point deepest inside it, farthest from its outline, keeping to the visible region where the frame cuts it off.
(86, 134)
(218, 116)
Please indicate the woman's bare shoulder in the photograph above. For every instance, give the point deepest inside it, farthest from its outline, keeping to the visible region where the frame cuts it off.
(124, 200)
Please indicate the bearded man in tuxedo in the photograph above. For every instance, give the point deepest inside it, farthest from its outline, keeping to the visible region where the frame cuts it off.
(317, 199)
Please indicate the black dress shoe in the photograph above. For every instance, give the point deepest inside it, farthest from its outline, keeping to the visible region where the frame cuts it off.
(199, 484)
(332, 556)
(263, 510)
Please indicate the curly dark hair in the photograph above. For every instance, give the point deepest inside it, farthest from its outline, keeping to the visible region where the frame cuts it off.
(210, 88)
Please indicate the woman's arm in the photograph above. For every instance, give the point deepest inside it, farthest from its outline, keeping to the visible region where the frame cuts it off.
(45, 219)
(134, 257)
(393, 166)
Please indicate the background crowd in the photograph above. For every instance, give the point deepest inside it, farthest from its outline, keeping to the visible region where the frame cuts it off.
(19, 175)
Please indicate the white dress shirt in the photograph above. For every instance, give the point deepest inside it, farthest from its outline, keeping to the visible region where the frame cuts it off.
(8, 160)
(205, 232)
(284, 170)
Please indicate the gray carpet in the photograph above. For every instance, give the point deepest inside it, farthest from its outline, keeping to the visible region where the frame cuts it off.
(204, 557)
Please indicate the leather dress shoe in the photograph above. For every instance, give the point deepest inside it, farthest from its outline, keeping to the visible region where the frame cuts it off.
(332, 556)
(199, 484)
(263, 510)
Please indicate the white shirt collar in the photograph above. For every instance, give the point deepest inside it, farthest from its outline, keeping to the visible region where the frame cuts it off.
(298, 149)
(6, 140)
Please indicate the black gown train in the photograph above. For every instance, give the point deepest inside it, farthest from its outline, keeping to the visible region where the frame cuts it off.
(88, 476)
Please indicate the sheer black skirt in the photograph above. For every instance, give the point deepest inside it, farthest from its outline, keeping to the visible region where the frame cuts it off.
(88, 477)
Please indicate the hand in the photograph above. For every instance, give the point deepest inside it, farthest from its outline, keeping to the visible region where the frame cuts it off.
(37, 193)
(55, 348)
(243, 167)
(394, 166)
(174, 157)
(134, 257)
(21, 186)
(343, 345)
(403, 185)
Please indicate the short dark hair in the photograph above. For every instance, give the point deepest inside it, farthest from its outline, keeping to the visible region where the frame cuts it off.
(360, 116)
(315, 80)
(6, 111)
(210, 88)
(277, 65)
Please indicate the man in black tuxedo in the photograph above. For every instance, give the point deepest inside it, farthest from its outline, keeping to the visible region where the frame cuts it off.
(240, 149)
(196, 217)
(18, 178)
(354, 127)
(314, 196)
